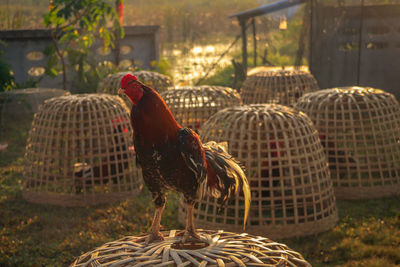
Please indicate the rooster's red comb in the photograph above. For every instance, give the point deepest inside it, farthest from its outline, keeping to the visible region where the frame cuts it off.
(126, 79)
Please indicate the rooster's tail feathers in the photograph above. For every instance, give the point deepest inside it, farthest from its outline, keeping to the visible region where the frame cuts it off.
(225, 176)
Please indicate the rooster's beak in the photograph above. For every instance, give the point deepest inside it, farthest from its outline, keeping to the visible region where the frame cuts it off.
(120, 91)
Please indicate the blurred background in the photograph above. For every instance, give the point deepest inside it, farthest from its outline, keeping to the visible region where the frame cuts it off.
(193, 35)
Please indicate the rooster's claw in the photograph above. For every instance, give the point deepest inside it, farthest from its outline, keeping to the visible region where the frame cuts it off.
(152, 237)
(189, 236)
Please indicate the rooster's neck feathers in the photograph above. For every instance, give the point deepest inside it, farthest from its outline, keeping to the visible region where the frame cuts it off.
(152, 119)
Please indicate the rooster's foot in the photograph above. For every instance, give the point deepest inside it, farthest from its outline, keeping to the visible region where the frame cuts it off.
(152, 237)
(189, 236)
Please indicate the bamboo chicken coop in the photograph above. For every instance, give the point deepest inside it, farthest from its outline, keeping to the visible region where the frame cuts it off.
(112, 82)
(292, 194)
(277, 87)
(80, 152)
(360, 130)
(157, 81)
(218, 248)
(192, 106)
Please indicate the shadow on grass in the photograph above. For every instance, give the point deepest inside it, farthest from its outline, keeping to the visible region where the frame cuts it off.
(47, 235)
(367, 234)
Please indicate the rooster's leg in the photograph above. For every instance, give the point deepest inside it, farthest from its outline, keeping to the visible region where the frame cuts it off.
(155, 226)
(190, 230)
(159, 201)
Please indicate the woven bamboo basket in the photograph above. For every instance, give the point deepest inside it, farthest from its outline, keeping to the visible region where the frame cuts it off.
(155, 80)
(17, 108)
(360, 130)
(80, 152)
(192, 106)
(277, 87)
(218, 248)
(292, 194)
(112, 83)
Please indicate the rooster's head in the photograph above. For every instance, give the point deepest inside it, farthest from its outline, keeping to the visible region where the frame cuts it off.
(132, 88)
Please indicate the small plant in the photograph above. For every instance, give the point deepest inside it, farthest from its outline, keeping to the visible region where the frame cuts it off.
(162, 66)
(74, 28)
(6, 78)
(283, 47)
(7, 81)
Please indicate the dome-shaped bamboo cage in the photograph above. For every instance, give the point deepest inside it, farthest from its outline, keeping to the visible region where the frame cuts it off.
(192, 106)
(155, 80)
(360, 130)
(111, 83)
(80, 152)
(218, 248)
(277, 87)
(17, 108)
(292, 194)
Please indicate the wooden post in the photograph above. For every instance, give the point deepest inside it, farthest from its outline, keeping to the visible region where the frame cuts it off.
(242, 23)
(302, 39)
(254, 41)
(310, 35)
(360, 38)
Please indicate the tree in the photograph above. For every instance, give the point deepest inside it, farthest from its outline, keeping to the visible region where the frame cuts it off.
(74, 27)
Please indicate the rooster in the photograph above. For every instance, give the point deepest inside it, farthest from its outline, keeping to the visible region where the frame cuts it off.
(173, 158)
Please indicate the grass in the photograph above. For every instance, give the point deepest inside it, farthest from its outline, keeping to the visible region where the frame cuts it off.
(367, 234)
(46, 235)
(222, 77)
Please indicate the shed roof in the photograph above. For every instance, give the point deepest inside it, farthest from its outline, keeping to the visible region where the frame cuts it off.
(264, 9)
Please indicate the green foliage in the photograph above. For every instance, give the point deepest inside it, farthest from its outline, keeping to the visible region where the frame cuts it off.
(283, 45)
(6, 78)
(231, 76)
(52, 67)
(222, 77)
(163, 66)
(75, 26)
(30, 83)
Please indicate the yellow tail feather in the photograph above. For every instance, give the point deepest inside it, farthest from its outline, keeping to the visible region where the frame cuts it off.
(247, 200)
